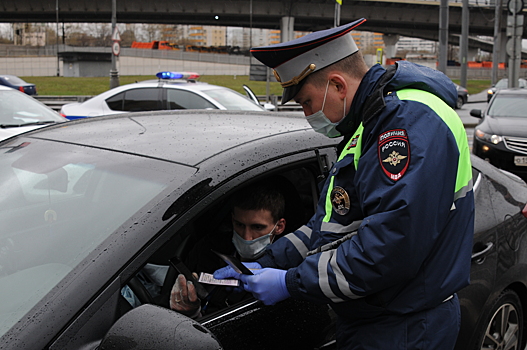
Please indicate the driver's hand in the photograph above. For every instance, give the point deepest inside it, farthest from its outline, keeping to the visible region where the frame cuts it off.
(184, 299)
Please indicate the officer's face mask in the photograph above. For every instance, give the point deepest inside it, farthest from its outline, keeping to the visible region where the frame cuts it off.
(252, 250)
(321, 124)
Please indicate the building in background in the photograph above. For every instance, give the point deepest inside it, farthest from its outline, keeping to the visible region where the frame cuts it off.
(29, 34)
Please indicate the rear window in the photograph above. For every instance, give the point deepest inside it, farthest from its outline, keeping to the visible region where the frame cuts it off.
(136, 100)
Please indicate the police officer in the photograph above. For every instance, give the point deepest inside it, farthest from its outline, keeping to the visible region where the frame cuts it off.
(390, 242)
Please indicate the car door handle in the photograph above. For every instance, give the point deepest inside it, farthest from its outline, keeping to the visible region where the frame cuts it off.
(481, 253)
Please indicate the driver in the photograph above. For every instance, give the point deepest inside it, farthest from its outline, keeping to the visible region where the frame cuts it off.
(257, 219)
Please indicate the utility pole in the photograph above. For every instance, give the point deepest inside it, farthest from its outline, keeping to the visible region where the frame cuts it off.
(514, 44)
(57, 39)
(443, 35)
(464, 43)
(336, 21)
(496, 48)
(114, 74)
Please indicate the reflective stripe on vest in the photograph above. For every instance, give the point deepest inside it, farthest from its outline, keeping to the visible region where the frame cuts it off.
(452, 120)
(353, 148)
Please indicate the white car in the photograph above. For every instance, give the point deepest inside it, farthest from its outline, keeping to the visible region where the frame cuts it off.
(20, 112)
(173, 90)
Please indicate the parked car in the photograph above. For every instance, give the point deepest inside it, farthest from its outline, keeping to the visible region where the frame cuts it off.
(503, 84)
(462, 96)
(20, 112)
(86, 206)
(501, 135)
(172, 90)
(16, 83)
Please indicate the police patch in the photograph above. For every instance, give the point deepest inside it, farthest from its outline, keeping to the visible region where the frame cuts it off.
(340, 200)
(394, 153)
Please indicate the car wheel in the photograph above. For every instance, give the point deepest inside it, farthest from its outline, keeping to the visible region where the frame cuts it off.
(459, 102)
(503, 326)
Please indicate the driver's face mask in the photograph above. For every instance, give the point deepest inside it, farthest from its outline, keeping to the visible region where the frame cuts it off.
(252, 250)
(321, 124)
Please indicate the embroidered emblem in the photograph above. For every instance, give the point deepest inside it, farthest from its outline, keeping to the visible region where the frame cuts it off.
(340, 200)
(394, 158)
(394, 153)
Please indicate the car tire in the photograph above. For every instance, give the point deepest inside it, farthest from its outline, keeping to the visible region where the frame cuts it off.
(459, 102)
(493, 334)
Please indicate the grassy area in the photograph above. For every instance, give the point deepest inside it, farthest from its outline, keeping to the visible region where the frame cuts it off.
(475, 86)
(56, 86)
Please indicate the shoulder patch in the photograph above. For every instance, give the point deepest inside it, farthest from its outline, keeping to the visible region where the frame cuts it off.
(394, 153)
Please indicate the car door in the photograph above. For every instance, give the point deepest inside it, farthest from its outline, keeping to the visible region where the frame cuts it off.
(483, 263)
(289, 324)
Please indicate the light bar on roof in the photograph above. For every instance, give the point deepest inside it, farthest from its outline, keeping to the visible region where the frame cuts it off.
(177, 75)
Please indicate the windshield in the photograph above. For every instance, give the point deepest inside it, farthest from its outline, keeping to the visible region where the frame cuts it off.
(508, 106)
(54, 213)
(503, 83)
(14, 80)
(233, 100)
(17, 109)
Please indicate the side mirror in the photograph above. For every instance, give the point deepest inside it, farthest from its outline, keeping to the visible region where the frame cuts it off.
(476, 113)
(153, 327)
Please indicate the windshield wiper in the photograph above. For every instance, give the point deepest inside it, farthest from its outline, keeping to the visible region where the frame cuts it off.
(5, 126)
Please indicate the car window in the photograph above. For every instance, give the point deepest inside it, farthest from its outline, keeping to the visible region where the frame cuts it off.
(503, 83)
(212, 229)
(55, 213)
(17, 108)
(136, 100)
(183, 99)
(508, 106)
(115, 103)
(13, 80)
(232, 100)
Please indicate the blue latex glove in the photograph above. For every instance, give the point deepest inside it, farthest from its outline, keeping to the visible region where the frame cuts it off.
(267, 285)
(228, 272)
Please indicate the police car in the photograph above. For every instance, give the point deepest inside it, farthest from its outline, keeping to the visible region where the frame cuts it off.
(172, 90)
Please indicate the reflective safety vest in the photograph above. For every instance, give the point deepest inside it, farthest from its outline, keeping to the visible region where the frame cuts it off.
(448, 115)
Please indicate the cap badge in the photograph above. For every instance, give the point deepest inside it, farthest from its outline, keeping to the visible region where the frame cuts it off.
(308, 70)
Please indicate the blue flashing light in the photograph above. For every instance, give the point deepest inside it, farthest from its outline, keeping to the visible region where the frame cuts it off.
(177, 75)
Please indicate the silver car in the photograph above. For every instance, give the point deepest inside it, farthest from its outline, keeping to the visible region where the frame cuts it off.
(20, 113)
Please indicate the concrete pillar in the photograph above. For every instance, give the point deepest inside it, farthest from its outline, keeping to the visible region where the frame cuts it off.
(389, 43)
(287, 29)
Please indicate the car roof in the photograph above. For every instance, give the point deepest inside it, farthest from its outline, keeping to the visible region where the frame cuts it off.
(512, 91)
(186, 137)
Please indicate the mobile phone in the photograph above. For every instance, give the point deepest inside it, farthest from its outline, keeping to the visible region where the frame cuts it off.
(182, 269)
(234, 263)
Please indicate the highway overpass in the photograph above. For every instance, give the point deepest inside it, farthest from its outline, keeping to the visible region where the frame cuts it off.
(418, 19)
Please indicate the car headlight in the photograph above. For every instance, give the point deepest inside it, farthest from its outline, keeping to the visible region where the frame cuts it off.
(495, 139)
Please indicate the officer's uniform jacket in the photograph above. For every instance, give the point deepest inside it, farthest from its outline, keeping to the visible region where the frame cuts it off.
(392, 233)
